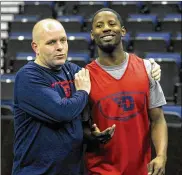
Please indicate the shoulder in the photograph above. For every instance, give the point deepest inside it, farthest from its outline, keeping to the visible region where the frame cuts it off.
(29, 71)
(72, 67)
(91, 65)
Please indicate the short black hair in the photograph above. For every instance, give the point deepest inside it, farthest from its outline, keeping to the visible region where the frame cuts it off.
(110, 10)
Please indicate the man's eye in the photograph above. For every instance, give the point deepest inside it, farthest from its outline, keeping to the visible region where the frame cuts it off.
(52, 42)
(99, 25)
(63, 40)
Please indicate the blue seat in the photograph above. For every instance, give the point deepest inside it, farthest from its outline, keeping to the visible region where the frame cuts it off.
(42, 8)
(152, 42)
(23, 23)
(178, 93)
(176, 42)
(170, 65)
(124, 8)
(88, 8)
(18, 42)
(6, 111)
(141, 23)
(173, 114)
(81, 59)
(21, 59)
(71, 23)
(173, 118)
(7, 88)
(79, 42)
(161, 8)
(165, 56)
(169, 20)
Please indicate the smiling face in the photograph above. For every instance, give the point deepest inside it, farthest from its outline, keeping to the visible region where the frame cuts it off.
(50, 45)
(107, 31)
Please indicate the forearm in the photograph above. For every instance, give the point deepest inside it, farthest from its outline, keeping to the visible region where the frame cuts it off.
(159, 135)
(87, 132)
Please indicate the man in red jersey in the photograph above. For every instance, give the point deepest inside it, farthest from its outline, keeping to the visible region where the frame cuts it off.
(124, 95)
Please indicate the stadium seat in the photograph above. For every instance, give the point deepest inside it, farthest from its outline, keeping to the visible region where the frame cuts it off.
(23, 23)
(169, 20)
(178, 94)
(18, 42)
(42, 8)
(161, 8)
(7, 88)
(151, 42)
(88, 8)
(79, 59)
(173, 115)
(169, 63)
(7, 139)
(141, 23)
(21, 59)
(79, 42)
(124, 8)
(71, 23)
(65, 8)
(176, 43)
(174, 121)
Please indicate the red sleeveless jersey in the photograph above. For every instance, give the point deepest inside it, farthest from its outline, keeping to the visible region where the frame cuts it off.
(123, 102)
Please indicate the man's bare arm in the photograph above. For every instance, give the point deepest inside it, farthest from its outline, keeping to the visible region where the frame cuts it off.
(159, 135)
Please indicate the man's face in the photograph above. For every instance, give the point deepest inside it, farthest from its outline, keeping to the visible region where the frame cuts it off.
(106, 31)
(53, 46)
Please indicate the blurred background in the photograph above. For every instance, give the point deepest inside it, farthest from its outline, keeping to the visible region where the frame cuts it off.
(154, 31)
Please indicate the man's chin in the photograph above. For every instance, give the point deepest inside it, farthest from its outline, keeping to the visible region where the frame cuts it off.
(107, 48)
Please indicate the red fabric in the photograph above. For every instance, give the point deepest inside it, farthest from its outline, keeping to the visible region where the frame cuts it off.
(123, 102)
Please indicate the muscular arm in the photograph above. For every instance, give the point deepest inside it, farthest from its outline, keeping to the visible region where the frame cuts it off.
(159, 131)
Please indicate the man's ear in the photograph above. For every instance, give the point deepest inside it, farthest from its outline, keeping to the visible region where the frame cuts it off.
(123, 31)
(91, 35)
(35, 47)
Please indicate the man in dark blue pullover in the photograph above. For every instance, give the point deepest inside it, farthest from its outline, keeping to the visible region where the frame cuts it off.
(49, 96)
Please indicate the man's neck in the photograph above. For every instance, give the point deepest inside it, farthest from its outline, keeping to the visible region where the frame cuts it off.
(111, 59)
(40, 63)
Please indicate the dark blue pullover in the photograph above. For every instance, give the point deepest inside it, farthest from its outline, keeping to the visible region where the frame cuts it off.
(47, 120)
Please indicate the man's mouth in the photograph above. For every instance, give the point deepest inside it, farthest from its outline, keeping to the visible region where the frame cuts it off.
(107, 38)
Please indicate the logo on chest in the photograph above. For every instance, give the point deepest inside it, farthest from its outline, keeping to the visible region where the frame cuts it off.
(122, 106)
(65, 85)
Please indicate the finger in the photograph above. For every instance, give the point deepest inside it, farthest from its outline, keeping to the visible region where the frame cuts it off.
(76, 75)
(156, 67)
(87, 72)
(150, 168)
(151, 60)
(111, 132)
(161, 171)
(82, 72)
(95, 128)
(158, 73)
(156, 171)
(106, 131)
(157, 78)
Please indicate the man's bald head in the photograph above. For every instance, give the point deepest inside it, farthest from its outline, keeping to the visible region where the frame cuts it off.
(43, 26)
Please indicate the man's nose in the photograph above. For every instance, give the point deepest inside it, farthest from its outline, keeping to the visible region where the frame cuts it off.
(106, 28)
(59, 45)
